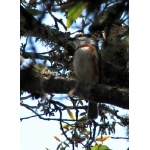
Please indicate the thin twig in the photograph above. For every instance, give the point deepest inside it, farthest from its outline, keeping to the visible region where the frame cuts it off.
(119, 138)
(39, 115)
(26, 97)
(62, 129)
(30, 117)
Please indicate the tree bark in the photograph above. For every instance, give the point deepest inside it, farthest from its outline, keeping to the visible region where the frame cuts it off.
(34, 83)
(33, 27)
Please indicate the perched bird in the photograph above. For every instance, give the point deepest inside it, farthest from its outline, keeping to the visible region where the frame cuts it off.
(87, 66)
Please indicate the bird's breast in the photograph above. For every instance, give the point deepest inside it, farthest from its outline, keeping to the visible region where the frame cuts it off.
(85, 64)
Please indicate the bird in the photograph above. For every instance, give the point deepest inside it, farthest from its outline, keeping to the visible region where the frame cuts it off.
(86, 64)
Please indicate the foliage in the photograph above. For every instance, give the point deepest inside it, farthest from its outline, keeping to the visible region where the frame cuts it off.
(107, 20)
(74, 12)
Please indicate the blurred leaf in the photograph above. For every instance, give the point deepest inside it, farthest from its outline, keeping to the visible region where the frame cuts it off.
(80, 101)
(76, 134)
(86, 131)
(57, 138)
(58, 146)
(104, 138)
(62, 148)
(74, 12)
(100, 147)
(71, 114)
(81, 120)
(66, 126)
(83, 114)
(81, 139)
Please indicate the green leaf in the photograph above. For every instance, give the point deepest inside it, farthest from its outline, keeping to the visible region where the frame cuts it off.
(100, 147)
(71, 114)
(58, 146)
(75, 12)
(62, 148)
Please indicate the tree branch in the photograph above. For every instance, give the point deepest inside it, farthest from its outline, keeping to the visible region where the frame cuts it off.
(119, 138)
(111, 75)
(33, 27)
(99, 93)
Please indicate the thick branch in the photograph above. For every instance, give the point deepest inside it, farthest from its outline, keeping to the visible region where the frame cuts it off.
(98, 93)
(33, 27)
(34, 83)
(111, 75)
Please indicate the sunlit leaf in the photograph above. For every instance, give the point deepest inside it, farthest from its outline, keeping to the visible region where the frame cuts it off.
(65, 126)
(74, 12)
(71, 114)
(104, 138)
(72, 128)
